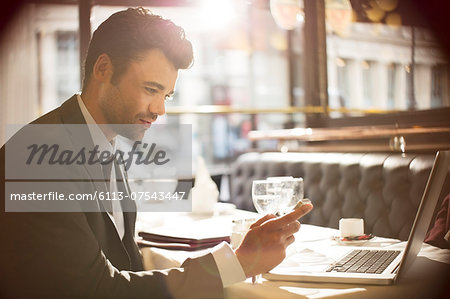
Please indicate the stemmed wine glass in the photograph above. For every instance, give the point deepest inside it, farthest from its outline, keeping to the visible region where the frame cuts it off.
(277, 194)
(266, 196)
(291, 193)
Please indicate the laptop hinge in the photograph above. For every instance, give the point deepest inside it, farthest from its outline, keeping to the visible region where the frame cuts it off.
(395, 270)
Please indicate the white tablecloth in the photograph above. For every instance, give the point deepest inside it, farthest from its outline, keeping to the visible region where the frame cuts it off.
(427, 278)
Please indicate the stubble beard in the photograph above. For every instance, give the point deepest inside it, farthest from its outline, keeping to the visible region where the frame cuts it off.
(114, 109)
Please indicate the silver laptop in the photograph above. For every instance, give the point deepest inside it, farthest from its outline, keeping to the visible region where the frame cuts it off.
(379, 266)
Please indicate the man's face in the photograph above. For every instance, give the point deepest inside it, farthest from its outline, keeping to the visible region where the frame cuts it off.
(139, 96)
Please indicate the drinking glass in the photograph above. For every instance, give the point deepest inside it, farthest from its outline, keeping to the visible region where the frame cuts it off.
(291, 193)
(266, 196)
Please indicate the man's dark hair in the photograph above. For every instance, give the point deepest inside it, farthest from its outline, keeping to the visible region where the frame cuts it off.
(125, 35)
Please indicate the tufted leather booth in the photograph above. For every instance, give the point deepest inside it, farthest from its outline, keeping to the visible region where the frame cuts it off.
(383, 189)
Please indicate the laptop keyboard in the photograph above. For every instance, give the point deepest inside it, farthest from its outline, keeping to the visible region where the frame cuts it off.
(365, 261)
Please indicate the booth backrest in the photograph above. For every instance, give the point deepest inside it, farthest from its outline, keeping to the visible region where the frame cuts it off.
(383, 189)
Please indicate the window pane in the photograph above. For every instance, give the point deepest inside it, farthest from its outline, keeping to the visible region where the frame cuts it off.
(68, 63)
(389, 66)
(58, 53)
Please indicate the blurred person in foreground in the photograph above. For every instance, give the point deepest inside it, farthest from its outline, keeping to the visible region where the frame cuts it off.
(131, 68)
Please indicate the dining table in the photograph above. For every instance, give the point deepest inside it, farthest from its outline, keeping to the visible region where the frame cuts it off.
(428, 277)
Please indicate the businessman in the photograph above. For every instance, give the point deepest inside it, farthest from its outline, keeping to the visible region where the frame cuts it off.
(131, 68)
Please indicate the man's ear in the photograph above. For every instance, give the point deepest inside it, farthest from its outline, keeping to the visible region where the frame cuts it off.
(103, 68)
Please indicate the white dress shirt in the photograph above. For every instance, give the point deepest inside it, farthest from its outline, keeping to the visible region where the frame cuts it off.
(227, 263)
(104, 145)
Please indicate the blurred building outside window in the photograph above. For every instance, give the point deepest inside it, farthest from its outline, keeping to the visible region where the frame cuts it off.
(56, 29)
(376, 59)
(68, 63)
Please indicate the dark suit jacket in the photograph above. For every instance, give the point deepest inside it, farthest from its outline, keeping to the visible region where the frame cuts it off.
(80, 254)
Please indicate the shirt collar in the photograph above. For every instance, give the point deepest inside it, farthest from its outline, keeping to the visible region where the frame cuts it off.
(96, 133)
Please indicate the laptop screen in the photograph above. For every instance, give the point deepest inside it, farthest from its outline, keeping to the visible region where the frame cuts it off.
(426, 209)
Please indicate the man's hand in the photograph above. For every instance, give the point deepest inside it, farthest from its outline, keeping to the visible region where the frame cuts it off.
(264, 245)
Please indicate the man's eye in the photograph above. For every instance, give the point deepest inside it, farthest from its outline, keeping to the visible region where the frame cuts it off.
(151, 90)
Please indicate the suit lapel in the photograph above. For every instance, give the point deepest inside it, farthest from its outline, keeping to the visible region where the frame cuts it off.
(80, 136)
(101, 224)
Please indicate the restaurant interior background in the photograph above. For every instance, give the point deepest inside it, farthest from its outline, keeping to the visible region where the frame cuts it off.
(283, 75)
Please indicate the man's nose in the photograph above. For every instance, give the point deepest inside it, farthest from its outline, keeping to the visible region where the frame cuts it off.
(158, 107)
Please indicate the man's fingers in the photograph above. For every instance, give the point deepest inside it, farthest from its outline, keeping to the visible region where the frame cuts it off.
(291, 216)
(262, 220)
(290, 229)
(290, 240)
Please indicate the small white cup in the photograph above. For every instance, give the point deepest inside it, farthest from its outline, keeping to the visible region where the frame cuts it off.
(351, 227)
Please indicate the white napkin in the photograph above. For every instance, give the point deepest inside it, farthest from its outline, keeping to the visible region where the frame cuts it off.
(204, 194)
